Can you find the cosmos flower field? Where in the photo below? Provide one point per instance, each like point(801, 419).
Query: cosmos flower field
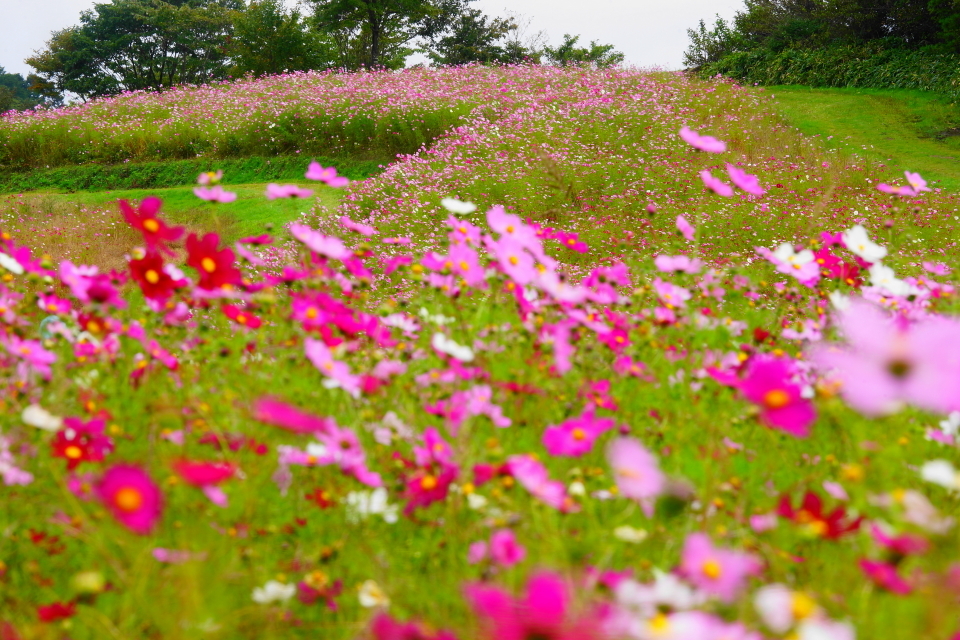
point(617, 355)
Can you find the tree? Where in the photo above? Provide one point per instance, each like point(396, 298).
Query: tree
point(383, 26)
point(567, 53)
point(472, 37)
point(267, 39)
point(126, 45)
point(16, 92)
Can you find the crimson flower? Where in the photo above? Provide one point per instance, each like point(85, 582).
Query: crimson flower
point(155, 231)
point(241, 317)
point(80, 441)
point(811, 516)
point(56, 611)
point(214, 266)
point(154, 281)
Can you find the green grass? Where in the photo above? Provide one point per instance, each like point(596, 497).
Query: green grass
point(905, 130)
point(174, 173)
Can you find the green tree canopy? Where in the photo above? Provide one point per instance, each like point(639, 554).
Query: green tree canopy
point(268, 39)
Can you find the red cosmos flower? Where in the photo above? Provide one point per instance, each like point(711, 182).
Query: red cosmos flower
point(214, 266)
point(56, 611)
point(321, 498)
point(155, 231)
point(80, 441)
point(155, 283)
point(241, 317)
point(810, 515)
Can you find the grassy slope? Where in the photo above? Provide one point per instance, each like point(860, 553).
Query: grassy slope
point(903, 129)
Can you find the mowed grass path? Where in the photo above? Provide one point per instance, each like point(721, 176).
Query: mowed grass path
point(905, 130)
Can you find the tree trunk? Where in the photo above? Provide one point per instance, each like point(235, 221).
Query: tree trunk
point(374, 39)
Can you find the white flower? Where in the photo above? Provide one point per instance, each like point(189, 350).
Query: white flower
point(786, 255)
point(780, 608)
point(951, 425)
point(576, 488)
point(438, 319)
point(371, 595)
point(942, 473)
point(37, 416)
point(883, 277)
point(456, 206)
point(274, 591)
point(823, 629)
point(667, 591)
point(857, 241)
point(10, 264)
point(630, 534)
point(445, 345)
point(476, 501)
point(839, 301)
point(362, 504)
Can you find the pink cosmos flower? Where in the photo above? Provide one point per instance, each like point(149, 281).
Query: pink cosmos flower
point(504, 548)
point(627, 366)
point(916, 182)
point(703, 143)
point(281, 414)
point(338, 372)
point(214, 194)
point(670, 294)
point(514, 260)
point(885, 576)
point(768, 384)
point(888, 361)
point(743, 180)
point(329, 246)
point(362, 229)
point(88, 285)
point(275, 191)
point(717, 571)
point(669, 264)
point(465, 262)
point(208, 178)
point(133, 498)
point(685, 228)
point(575, 436)
point(32, 355)
point(716, 185)
point(326, 175)
point(206, 476)
point(544, 612)
point(902, 545)
point(510, 226)
point(533, 476)
point(896, 191)
point(636, 472)
point(50, 303)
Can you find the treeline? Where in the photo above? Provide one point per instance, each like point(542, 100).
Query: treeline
point(869, 43)
point(129, 45)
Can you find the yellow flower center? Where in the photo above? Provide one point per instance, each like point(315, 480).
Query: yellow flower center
point(776, 399)
point(312, 313)
point(659, 624)
point(578, 434)
point(73, 452)
point(151, 225)
point(128, 499)
point(428, 482)
point(151, 276)
point(711, 569)
point(802, 606)
point(208, 265)
point(513, 260)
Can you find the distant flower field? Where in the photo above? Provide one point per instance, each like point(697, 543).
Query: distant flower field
point(616, 356)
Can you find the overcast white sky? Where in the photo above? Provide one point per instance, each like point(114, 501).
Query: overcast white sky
point(649, 32)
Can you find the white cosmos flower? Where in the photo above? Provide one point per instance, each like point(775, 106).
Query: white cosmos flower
point(787, 255)
point(274, 591)
point(857, 241)
point(457, 206)
point(371, 595)
point(363, 504)
point(10, 264)
point(839, 301)
point(942, 473)
point(445, 345)
point(37, 416)
point(626, 533)
point(951, 425)
point(884, 277)
point(438, 319)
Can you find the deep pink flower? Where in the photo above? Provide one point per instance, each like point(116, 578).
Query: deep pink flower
point(329, 246)
point(275, 191)
point(896, 191)
point(902, 545)
point(504, 548)
point(768, 384)
point(362, 229)
point(326, 175)
point(887, 361)
point(281, 414)
point(133, 498)
point(242, 317)
point(206, 476)
point(533, 476)
point(703, 143)
point(716, 185)
point(717, 571)
point(743, 180)
point(545, 612)
point(336, 371)
point(685, 228)
point(384, 627)
point(885, 576)
point(575, 437)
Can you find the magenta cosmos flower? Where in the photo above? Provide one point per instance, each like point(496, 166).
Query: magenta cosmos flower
point(716, 185)
point(768, 384)
point(326, 175)
point(703, 143)
point(214, 194)
point(533, 476)
point(719, 572)
point(743, 180)
point(275, 191)
point(888, 362)
point(133, 498)
point(575, 436)
point(338, 372)
point(544, 612)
